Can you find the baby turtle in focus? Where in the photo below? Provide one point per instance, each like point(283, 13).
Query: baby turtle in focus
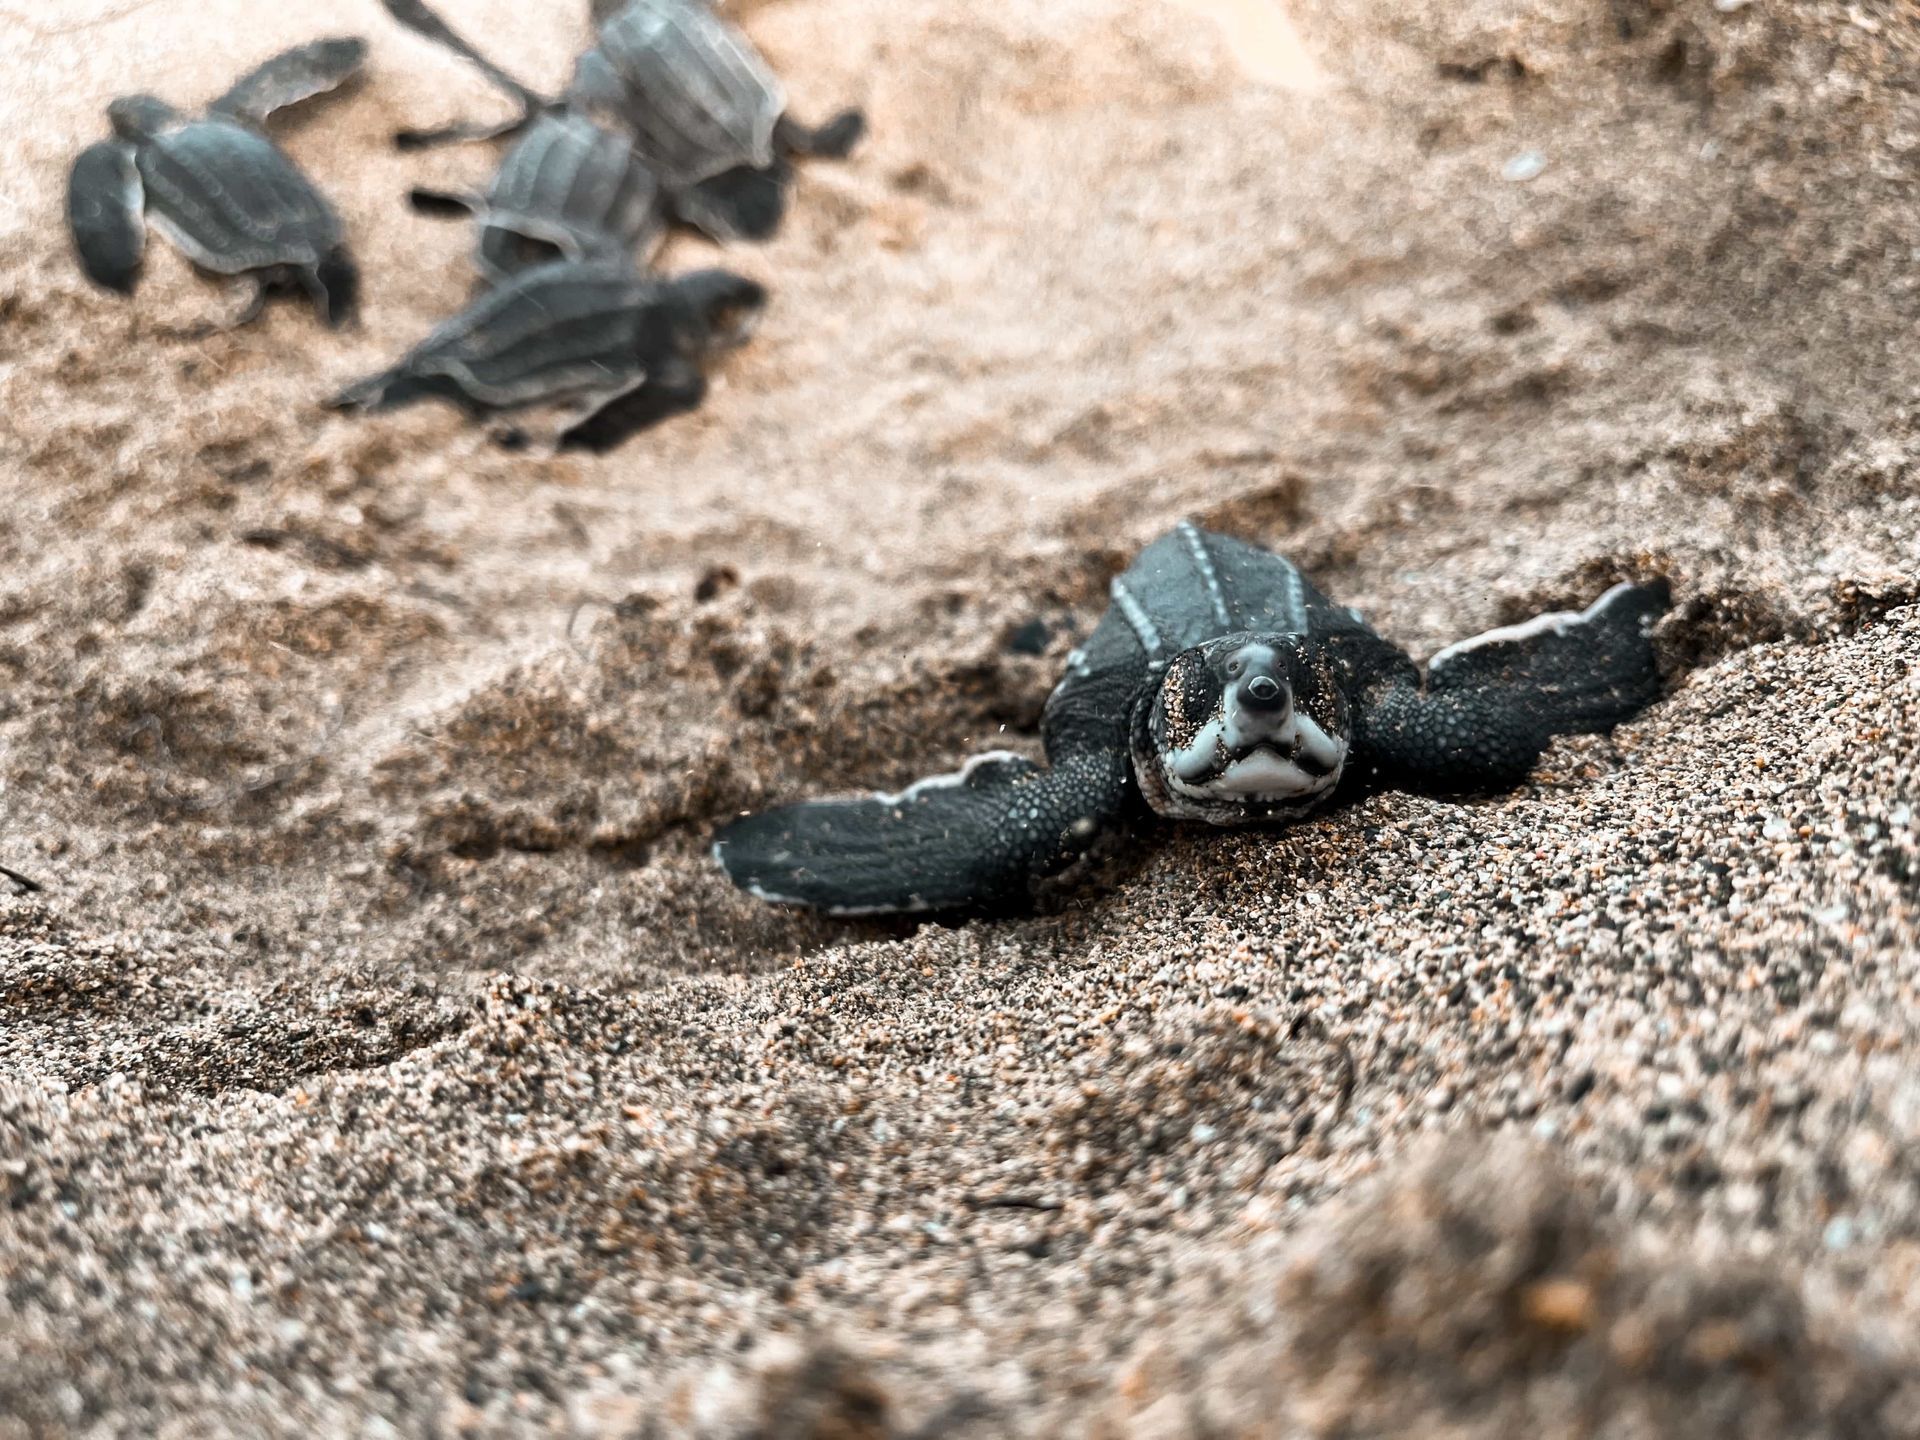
point(225, 194)
point(707, 115)
point(617, 351)
point(1220, 686)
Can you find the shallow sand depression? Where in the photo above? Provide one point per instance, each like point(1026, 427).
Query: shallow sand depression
point(384, 1055)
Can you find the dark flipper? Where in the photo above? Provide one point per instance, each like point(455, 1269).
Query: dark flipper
point(104, 204)
point(832, 141)
point(738, 204)
point(335, 286)
point(292, 76)
point(1492, 703)
point(675, 389)
point(417, 17)
point(445, 204)
point(976, 839)
point(390, 389)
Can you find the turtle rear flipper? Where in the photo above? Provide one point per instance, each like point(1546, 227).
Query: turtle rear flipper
point(292, 76)
point(975, 839)
point(104, 203)
point(1492, 703)
point(832, 141)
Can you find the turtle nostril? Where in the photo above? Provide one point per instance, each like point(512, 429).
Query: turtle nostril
point(1263, 692)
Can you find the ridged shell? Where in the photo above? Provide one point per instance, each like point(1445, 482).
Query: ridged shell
point(575, 185)
point(697, 95)
point(563, 329)
point(232, 200)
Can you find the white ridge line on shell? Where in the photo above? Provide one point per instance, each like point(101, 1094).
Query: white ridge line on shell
point(1137, 617)
point(1295, 617)
point(1209, 575)
point(1556, 622)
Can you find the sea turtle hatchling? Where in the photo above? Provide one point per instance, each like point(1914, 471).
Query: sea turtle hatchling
point(707, 114)
point(225, 194)
point(568, 187)
point(616, 351)
point(1220, 686)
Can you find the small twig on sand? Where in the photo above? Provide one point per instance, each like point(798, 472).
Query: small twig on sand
point(27, 887)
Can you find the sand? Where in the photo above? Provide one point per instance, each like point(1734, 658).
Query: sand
point(382, 1055)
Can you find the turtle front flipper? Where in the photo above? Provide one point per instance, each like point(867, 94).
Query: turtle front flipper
point(972, 840)
point(316, 68)
point(675, 388)
point(1492, 703)
point(104, 203)
point(417, 17)
point(744, 203)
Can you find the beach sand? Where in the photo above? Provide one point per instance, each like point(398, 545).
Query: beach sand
point(383, 1055)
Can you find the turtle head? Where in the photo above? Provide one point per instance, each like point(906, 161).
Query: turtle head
point(717, 309)
point(1244, 728)
point(140, 117)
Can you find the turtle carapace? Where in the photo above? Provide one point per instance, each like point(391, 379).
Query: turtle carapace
point(219, 188)
point(1220, 686)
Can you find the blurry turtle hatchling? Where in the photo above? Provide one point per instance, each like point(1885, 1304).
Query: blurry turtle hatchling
point(612, 350)
point(568, 188)
point(707, 115)
point(219, 188)
point(1220, 686)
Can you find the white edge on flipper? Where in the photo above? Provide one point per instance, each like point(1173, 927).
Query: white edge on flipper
point(948, 781)
point(1557, 622)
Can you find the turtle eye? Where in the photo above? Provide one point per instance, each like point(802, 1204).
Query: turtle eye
point(1234, 667)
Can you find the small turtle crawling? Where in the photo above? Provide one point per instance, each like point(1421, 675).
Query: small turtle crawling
point(619, 351)
point(1219, 686)
point(707, 115)
point(216, 186)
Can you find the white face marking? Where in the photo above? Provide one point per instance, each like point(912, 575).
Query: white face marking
point(1557, 622)
point(1265, 774)
point(1262, 776)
